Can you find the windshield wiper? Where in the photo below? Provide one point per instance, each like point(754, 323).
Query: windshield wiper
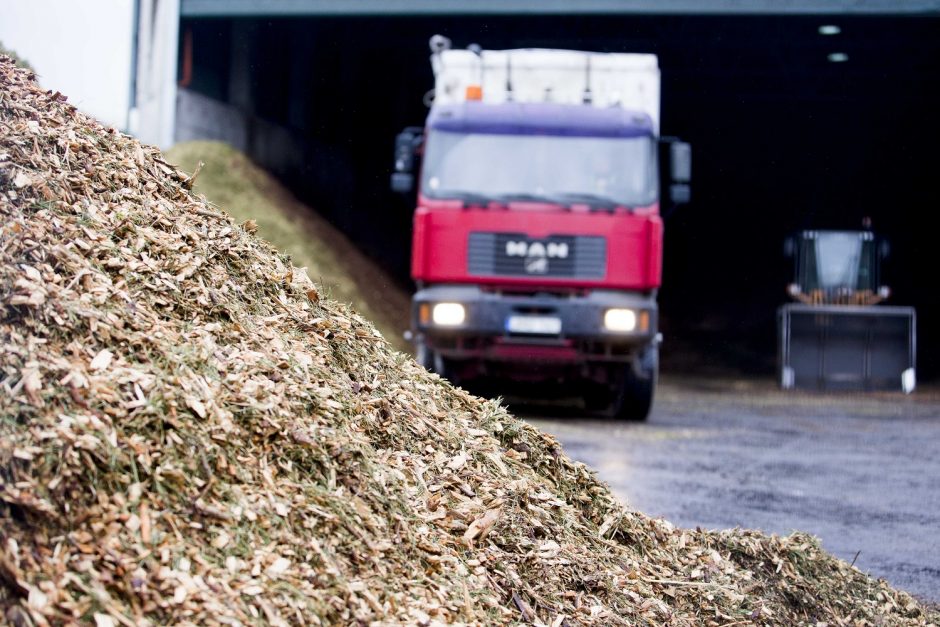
point(524, 197)
point(469, 199)
point(474, 199)
point(595, 201)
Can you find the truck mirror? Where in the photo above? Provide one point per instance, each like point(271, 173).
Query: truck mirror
point(407, 144)
point(789, 247)
point(680, 161)
point(402, 182)
point(680, 193)
point(404, 151)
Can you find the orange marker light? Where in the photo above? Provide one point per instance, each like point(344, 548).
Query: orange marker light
point(424, 313)
point(474, 92)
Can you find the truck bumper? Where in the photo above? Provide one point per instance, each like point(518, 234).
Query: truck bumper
point(538, 328)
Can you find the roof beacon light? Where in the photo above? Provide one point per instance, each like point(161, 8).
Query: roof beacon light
point(474, 92)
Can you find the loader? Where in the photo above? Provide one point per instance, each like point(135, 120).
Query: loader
point(837, 334)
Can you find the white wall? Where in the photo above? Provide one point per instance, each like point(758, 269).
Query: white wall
point(81, 48)
point(153, 119)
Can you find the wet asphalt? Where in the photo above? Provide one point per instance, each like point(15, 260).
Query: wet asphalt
point(861, 472)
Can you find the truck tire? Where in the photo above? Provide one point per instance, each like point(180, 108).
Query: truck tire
point(435, 362)
point(444, 367)
point(424, 355)
point(633, 397)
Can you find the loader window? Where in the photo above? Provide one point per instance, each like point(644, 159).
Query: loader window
point(551, 167)
point(839, 261)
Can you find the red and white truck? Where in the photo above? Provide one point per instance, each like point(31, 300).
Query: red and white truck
point(537, 243)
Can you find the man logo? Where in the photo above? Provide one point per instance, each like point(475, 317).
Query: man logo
point(551, 250)
point(516, 249)
point(537, 254)
point(536, 265)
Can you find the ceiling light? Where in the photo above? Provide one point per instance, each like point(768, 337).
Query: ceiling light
point(829, 29)
point(838, 57)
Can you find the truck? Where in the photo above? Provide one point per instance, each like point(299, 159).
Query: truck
point(537, 239)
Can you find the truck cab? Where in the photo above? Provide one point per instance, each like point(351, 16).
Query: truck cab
point(537, 241)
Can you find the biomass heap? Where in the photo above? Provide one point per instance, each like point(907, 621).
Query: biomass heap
point(189, 434)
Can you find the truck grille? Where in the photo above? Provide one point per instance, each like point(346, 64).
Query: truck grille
point(516, 254)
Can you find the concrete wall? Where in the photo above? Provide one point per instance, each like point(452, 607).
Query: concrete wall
point(274, 147)
point(201, 117)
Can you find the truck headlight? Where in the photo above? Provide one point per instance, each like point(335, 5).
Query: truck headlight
point(620, 320)
point(448, 314)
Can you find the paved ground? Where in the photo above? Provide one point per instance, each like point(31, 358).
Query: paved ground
point(860, 472)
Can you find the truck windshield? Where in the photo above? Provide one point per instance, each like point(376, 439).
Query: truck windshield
point(599, 171)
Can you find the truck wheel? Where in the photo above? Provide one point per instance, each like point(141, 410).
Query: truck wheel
point(424, 355)
point(633, 398)
point(442, 367)
point(433, 360)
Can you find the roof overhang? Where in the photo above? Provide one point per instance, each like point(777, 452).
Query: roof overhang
point(300, 8)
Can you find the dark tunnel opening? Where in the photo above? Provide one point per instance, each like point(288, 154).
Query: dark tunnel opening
point(783, 139)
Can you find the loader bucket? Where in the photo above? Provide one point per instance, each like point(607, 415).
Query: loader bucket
point(838, 347)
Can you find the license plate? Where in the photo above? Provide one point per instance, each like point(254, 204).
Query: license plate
point(541, 325)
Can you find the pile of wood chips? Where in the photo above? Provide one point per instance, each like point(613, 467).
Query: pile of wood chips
point(189, 434)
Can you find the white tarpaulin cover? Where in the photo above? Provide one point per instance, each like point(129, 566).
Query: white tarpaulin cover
point(626, 80)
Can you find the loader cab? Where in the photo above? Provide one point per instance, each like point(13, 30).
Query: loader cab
point(837, 267)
